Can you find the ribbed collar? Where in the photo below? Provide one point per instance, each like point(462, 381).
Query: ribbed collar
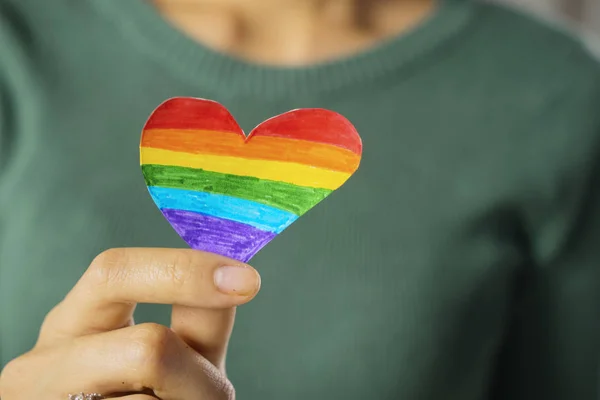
point(142, 24)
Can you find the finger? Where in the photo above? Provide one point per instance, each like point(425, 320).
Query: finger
point(106, 295)
point(142, 359)
point(206, 331)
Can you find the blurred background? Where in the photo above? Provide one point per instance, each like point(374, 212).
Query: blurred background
point(586, 13)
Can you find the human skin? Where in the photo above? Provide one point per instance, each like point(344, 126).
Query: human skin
point(293, 32)
point(89, 341)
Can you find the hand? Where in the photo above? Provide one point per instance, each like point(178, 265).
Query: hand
point(89, 342)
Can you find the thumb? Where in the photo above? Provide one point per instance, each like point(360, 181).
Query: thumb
point(208, 330)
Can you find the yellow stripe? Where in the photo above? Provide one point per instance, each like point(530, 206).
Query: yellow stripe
point(296, 174)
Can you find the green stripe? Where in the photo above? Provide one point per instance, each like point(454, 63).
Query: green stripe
point(292, 198)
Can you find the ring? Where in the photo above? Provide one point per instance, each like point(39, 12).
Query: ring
point(83, 396)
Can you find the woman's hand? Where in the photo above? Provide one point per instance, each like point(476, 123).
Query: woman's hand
point(89, 343)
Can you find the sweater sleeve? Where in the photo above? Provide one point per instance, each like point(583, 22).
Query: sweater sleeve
point(4, 139)
point(10, 71)
point(18, 90)
point(14, 69)
point(552, 350)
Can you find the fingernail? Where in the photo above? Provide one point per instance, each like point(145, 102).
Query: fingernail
point(239, 279)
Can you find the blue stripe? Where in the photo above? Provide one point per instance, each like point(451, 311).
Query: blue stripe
point(260, 216)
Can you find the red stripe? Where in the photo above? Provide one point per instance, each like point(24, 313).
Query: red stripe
point(314, 125)
point(191, 113)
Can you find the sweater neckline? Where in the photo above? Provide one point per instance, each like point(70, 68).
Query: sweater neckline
point(140, 22)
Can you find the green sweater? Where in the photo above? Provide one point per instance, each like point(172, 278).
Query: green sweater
point(461, 262)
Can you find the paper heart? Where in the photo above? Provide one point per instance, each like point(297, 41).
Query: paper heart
point(230, 194)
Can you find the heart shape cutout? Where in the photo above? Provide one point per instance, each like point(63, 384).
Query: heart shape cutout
point(230, 194)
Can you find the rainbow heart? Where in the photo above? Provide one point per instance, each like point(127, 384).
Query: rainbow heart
point(230, 194)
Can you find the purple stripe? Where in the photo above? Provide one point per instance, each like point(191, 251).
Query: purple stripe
point(221, 236)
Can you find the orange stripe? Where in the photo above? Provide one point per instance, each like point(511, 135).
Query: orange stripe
point(258, 147)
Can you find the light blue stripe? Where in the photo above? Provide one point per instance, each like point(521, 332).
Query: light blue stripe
point(260, 216)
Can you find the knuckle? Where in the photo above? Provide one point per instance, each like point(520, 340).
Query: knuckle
point(49, 323)
point(110, 257)
point(179, 268)
point(104, 269)
point(152, 348)
point(152, 339)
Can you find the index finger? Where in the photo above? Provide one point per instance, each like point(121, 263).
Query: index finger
point(105, 297)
